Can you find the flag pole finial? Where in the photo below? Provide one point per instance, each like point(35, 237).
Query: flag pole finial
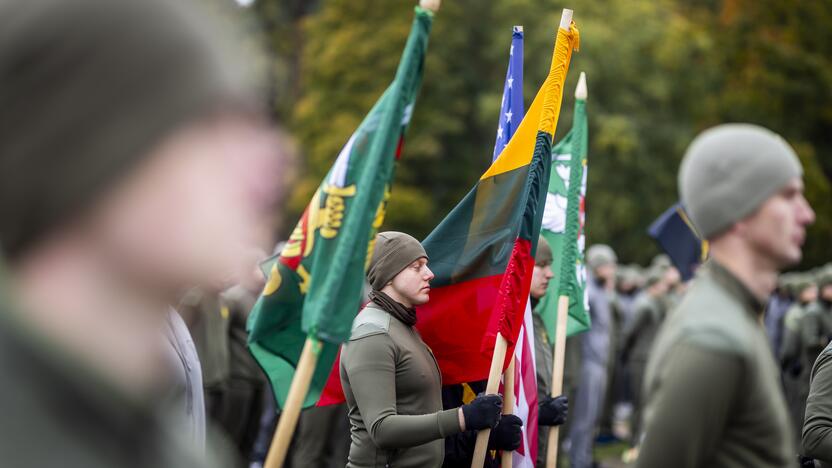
point(580, 90)
point(566, 19)
point(432, 5)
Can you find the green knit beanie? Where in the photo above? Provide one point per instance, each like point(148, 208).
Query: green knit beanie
point(393, 252)
point(88, 88)
point(729, 171)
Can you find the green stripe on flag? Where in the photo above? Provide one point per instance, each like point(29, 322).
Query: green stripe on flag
point(563, 228)
point(315, 286)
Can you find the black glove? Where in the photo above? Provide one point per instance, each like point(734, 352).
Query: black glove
point(483, 412)
point(805, 462)
point(553, 411)
point(508, 433)
point(794, 368)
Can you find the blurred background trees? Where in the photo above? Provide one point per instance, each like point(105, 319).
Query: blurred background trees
point(659, 71)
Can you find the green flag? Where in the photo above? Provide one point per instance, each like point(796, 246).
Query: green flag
point(563, 228)
point(315, 285)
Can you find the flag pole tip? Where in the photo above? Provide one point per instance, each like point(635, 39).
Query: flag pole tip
point(580, 90)
point(432, 5)
point(566, 19)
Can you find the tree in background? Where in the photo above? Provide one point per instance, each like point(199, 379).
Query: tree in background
point(659, 72)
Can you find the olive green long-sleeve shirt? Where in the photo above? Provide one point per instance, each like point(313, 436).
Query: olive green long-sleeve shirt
point(817, 425)
point(712, 385)
point(393, 389)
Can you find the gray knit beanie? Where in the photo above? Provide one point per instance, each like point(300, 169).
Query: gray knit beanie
point(729, 170)
point(599, 255)
point(393, 252)
point(89, 87)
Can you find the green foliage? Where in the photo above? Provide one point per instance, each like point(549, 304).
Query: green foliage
point(659, 71)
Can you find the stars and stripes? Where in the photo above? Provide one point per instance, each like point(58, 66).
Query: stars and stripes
point(511, 108)
point(525, 387)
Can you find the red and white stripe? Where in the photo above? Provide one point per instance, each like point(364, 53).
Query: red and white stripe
point(525, 391)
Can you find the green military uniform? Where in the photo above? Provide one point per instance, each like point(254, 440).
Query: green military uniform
point(817, 424)
point(805, 335)
point(543, 360)
point(241, 405)
point(322, 438)
point(393, 389)
point(638, 338)
point(56, 412)
point(209, 325)
point(712, 386)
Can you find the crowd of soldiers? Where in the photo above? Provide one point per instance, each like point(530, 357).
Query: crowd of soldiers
point(798, 322)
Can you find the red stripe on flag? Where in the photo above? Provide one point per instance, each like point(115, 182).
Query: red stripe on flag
point(453, 324)
point(511, 302)
point(529, 377)
point(333, 393)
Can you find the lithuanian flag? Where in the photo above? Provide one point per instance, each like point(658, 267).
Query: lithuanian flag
point(482, 253)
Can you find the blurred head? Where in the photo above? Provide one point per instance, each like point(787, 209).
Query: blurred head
point(744, 182)
point(399, 268)
point(136, 139)
point(542, 272)
point(671, 277)
point(807, 293)
point(825, 284)
point(655, 281)
point(134, 161)
point(602, 261)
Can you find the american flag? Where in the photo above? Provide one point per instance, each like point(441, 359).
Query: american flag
point(525, 380)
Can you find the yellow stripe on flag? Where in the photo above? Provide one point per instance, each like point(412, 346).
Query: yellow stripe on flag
point(543, 114)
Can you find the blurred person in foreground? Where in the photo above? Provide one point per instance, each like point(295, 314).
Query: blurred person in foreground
point(712, 387)
point(133, 162)
point(817, 424)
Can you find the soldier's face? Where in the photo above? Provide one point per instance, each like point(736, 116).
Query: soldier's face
point(777, 230)
point(540, 279)
point(184, 217)
point(808, 294)
point(826, 293)
point(412, 285)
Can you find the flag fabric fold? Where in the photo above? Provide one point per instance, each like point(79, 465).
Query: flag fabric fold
point(675, 234)
point(482, 253)
point(525, 373)
point(314, 286)
point(564, 227)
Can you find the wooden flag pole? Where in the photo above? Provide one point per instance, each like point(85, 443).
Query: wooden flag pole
point(494, 373)
point(557, 376)
point(294, 402)
point(509, 399)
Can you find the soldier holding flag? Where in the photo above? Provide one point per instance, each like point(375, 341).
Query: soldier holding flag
point(390, 378)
